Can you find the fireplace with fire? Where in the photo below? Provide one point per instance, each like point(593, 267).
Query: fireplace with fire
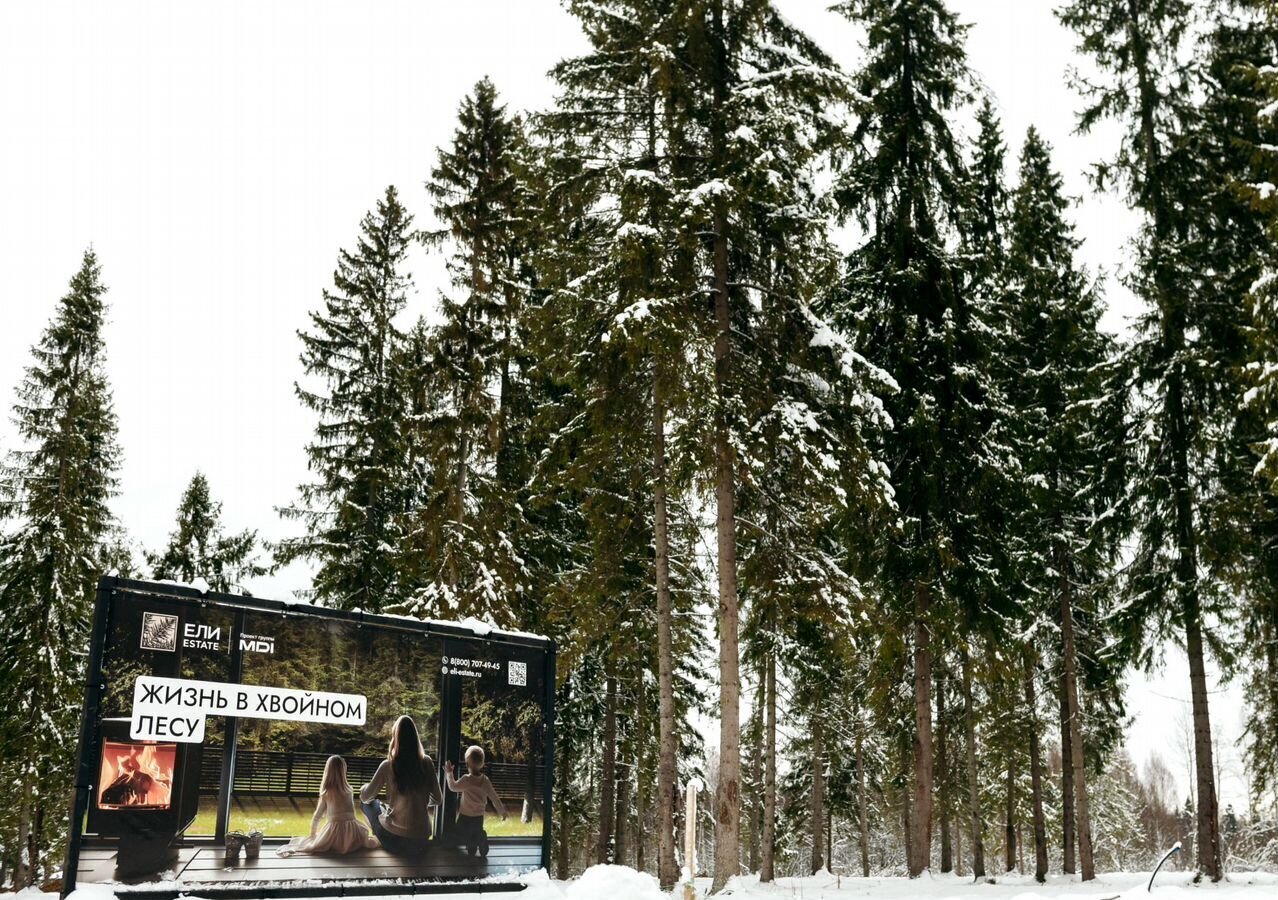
point(146, 794)
point(136, 775)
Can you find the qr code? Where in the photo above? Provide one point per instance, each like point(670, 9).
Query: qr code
point(159, 632)
point(517, 673)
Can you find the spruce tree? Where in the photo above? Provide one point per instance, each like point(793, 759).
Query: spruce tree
point(475, 374)
point(1186, 346)
point(1069, 432)
point(685, 157)
point(353, 511)
point(907, 292)
point(985, 213)
point(199, 548)
point(620, 302)
point(756, 103)
point(982, 237)
point(53, 497)
point(1247, 78)
point(1262, 370)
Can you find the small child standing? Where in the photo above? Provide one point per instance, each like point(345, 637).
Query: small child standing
point(476, 790)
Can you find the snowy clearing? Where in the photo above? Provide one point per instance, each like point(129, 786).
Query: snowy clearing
point(624, 883)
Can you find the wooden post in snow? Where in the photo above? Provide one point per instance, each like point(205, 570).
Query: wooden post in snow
point(690, 840)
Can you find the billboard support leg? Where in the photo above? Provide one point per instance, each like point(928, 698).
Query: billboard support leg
point(226, 782)
point(548, 757)
point(84, 774)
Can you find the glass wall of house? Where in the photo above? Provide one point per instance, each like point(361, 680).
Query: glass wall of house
point(503, 693)
point(279, 764)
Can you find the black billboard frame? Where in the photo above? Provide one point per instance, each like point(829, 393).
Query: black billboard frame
point(90, 737)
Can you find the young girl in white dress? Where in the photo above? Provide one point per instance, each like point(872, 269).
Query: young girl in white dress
point(342, 833)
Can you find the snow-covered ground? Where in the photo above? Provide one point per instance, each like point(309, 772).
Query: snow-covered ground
point(1127, 885)
point(622, 883)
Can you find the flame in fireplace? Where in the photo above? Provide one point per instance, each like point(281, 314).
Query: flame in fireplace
point(136, 775)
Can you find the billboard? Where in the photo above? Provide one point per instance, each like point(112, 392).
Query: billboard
point(230, 740)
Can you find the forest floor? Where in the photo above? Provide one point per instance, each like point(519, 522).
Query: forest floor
point(623, 883)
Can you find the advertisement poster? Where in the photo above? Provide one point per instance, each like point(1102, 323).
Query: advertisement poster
point(232, 739)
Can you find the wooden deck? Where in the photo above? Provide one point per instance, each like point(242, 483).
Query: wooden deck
point(206, 866)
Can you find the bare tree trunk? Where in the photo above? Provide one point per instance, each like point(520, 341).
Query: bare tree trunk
point(36, 844)
point(816, 804)
point(921, 814)
point(562, 826)
point(947, 846)
point(1208, 843)
point(608, 768)
point(757, 764)
point(641, 775)
point(1036, 773)
point(829, 837)
point(907, 831)
point(767, 865)
point(641, 812)
point(973, 782)
point(1009, 833)
point(620, 832)
point(728, 794)
point(667, 869)
point(1082, 809)
point(459, 506)
point(25, 864)
point(1067, 787)
point(943, 779)
point(862, 809)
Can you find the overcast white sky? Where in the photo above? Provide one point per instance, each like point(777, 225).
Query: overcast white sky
point(218, 155)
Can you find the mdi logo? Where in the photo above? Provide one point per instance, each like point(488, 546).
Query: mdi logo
point(257, 643)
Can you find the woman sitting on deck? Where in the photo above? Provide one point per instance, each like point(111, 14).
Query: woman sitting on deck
point(403, 823)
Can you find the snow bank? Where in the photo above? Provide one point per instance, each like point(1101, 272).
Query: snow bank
point(614, 883)
point(624, 883)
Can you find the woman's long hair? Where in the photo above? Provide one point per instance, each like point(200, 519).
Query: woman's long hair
point(335, 777)
point(408, 758)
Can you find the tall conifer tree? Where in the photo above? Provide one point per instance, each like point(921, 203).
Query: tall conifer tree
point(757, 101)
point(353, 510)
point(1241, 123)
point(1069, 408)
point(199, 548)
point(53, 498)
point(906, 284)
point(1186, 345)
point(982, 236)
point(621, 304)
point(475, 372)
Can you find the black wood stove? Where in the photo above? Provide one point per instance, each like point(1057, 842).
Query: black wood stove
point(146, 794)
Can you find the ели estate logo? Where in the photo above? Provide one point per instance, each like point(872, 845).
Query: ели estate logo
point(160, 632)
